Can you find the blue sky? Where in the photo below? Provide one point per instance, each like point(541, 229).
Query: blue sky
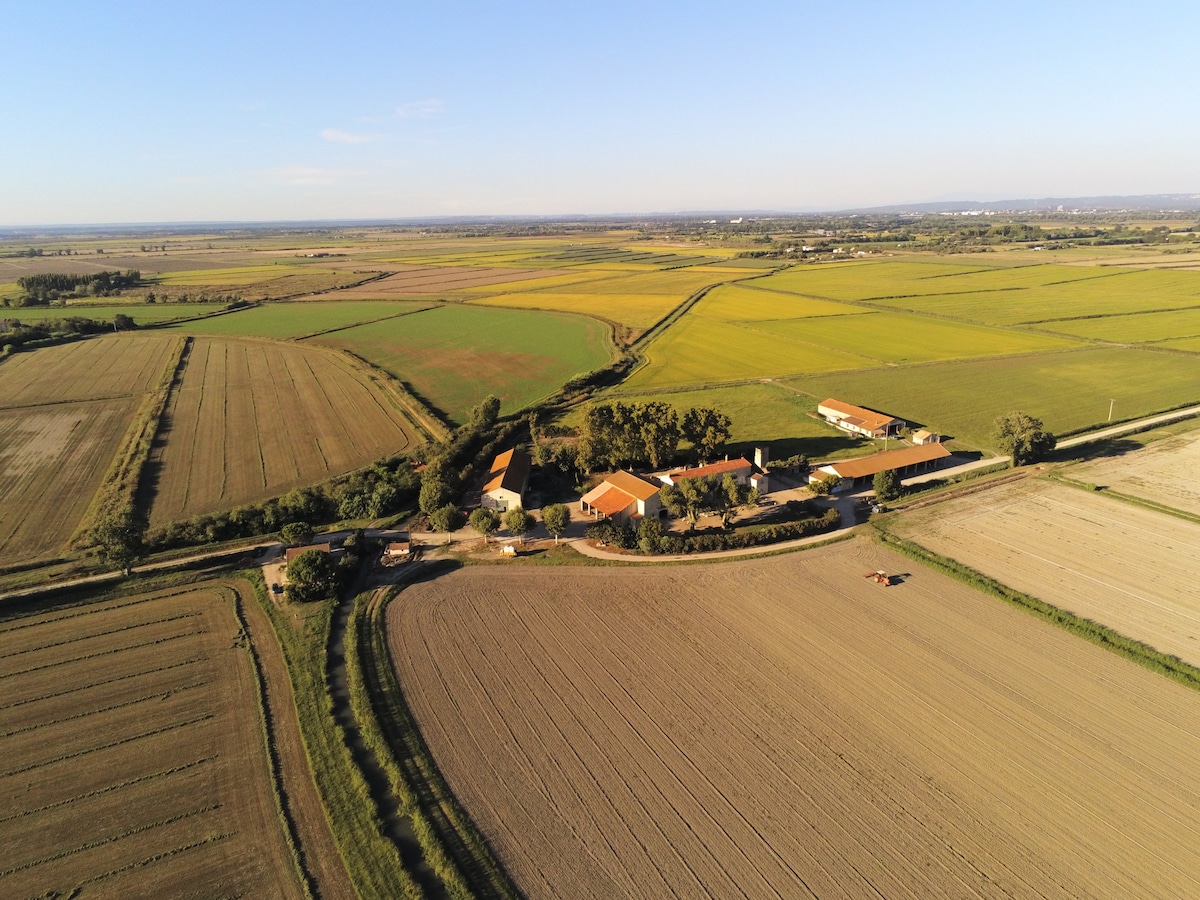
point(142, 112)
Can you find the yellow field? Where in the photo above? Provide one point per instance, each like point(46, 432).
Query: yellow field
point(748, 303)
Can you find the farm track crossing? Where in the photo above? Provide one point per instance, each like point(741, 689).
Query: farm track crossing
point(788, 728)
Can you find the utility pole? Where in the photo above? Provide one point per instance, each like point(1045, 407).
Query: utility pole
point(1110, 409)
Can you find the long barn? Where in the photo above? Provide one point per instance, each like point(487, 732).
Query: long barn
point(906, 461)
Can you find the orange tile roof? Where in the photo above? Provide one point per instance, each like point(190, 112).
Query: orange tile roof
point(867, 419)
point(632, 484)
point(510, 471)
point(292, 552)
point(889, 459)
point(609, 500)
point(717, 468)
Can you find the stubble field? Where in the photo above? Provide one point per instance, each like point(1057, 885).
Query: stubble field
point(785, 727)
point(1130, 568)
point(134, 761)
point(63, 413)
point(1164, 472)
point(253, 419)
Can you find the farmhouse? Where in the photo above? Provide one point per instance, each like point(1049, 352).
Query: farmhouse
point(855, 419)
point(742, 469)
point(908, 461)
point(621, 496)
point(397, 551)
point(507, 480)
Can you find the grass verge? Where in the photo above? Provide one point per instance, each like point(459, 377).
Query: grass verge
point(371, 860)
point(453, 847)
point(1135, 651)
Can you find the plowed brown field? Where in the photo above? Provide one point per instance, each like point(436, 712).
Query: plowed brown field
point(253, 419)
point(1166, 472)
point(63, 413)
point(1130, 568)
point(785, 727)
point(132, 757)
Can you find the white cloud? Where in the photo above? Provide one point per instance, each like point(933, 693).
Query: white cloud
point(336, 136)
point(419, 109)
point(308, 175)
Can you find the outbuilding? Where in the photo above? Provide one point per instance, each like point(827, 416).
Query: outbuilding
point(622, 496)
point(507, 481)
point(858, 420)
point(859, 472)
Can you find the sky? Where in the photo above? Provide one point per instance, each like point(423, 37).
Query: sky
point(129, 111)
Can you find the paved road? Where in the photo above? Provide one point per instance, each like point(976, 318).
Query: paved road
point(1127, 427)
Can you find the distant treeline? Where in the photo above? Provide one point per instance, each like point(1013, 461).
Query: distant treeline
point(42, 289)
point(15, 333)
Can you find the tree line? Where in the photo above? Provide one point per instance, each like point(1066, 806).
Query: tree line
point(45, 288)
point(14, 333)
point(617, 434)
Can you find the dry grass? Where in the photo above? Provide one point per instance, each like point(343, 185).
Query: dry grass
point(133, 754)
point(785, 727)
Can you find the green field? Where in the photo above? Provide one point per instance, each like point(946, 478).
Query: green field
point(298, 319)
point(750, 302)
point(454, 355)
point(867, 280)
point(1068, 390)
point(1136, 328)
point(760, 413)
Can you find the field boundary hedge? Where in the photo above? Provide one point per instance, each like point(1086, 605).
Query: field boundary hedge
point(453, 846)
point(1131, 649)
point(123, 480)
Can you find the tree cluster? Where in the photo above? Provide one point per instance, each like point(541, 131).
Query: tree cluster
point(16, 333)
point(42, 289)
point(449, 466)
point(1023, 437)
point(690, 498)
point(630, 434)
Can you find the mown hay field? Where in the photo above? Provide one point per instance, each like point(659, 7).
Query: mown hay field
point(1165, 471)
point(1068, 390)
point(785, 727)
point(253, 419)
point(256, 282)
point(454, 356)
point(291, 320)
point(1125, 566)
point(64, 412)
point(134, 759)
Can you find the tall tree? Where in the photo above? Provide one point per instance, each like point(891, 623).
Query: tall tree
point(658, 429)
point(120, 537)
point(446, 518)
point(485, 521)
point(312, 576)
point(1022, 437)
point(556, 518)
point(689, 498)
point(887, 484)
point(707, 430)
point(518, 522)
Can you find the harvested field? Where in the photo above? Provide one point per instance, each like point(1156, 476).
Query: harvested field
point(298, 319)
point(422, 281)
point(784, 727)
point(1166, 472)
point(52, 460)
point(98, 368)
point(63, 413)
point(134, 760)
point(253, 419)
point(1129, 568)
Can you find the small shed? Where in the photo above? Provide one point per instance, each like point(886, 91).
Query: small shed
point(924, 436)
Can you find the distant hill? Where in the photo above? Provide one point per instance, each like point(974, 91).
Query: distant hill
point(1136, 202)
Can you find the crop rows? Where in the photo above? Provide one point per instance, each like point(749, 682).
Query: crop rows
point(789, 728)
point(124, 762)
point(254, 419)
